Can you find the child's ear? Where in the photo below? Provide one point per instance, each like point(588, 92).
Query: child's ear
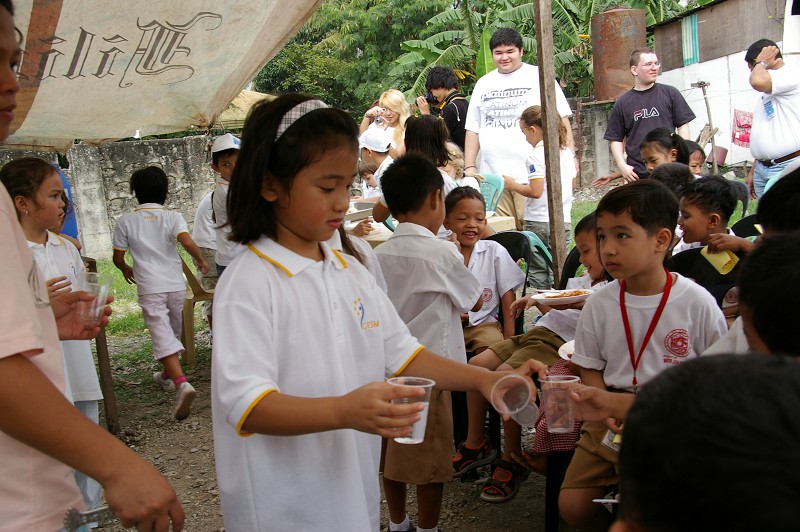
point(215, 167)
point(436, 197)
point(446, 223)
point(673, 155)
point(714, 220)
point(269, 189)
point(663, 239)
point(21, 203)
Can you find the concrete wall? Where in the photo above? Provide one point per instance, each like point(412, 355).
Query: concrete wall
point(99, 178)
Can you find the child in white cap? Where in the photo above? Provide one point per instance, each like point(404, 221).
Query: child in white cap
point(224, 153)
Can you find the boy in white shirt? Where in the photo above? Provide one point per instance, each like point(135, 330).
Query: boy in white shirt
point(373, 146)
point(150, 233)
point(204, 234)
point(224, 153)
point(430, 287)
point(632, 329)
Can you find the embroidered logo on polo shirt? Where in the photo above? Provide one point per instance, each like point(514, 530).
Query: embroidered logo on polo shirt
point(360, 311)
point(486, 295)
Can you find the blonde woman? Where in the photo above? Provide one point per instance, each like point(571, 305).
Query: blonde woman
point(390, 114)
point(455, 168)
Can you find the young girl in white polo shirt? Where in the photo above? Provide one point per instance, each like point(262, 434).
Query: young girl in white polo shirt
point(36, 188)
point(150, 233)
point(303, 336)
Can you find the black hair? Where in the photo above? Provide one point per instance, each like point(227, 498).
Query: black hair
point(649, 203)
point(8, 5)
point(262, 156)
point(441, 77)
point(505, 37)
point(67, 203)
point(769, 285)
point(428, 135)
point(215, 156)
point(666, 140)
point(24, 176)
point(755, 49)
point(348, 247)
point(710, 194)
point(779, 207)
point(587, 224)
point(692, 146)
point(460, 193)
point(150, 185)
point(408, 182)
point(672, 175)
point(711, 439)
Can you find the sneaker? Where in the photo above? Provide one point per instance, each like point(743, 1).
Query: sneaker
point(183, 401)
point(166, 384)
point(466, 459)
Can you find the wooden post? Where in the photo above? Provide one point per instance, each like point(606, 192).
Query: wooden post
point(104, 364)
point(550, 121)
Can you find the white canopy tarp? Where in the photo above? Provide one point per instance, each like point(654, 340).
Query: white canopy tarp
point(100, 71)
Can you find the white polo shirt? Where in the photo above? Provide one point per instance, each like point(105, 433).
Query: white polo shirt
point(150, 233)
point(536, 208)
point(57, 258)
point(497, 272)
point(429, 286)
point(227, 250)
point(204, 232)
point(311, 329)
point(367, 253)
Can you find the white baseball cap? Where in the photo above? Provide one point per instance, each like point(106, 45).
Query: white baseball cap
point(226, 142)
point(375, 139)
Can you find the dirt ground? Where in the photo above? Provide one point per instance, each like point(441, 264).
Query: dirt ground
point(183, 451)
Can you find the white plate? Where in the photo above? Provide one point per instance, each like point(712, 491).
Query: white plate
point(566, 351)
point(549, 297)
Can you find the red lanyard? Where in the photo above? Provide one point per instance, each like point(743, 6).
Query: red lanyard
point(636, 359)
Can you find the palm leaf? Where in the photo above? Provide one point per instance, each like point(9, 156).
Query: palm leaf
point(484, 63)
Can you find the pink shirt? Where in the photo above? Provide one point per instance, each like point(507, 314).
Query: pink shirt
point(36, 489)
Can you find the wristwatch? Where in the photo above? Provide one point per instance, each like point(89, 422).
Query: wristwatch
point(764, 63)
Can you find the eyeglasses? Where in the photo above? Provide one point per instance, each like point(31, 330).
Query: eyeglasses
point(650, 65)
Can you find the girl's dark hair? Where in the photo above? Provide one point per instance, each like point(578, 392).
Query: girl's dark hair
point(8, 5)
point(692, 146)
point(460, 193)
point(666, 140)
point(672, 175)
point(348, 247)
point(427, 135)
point(150, 184)
point(305, 141)
point(24, 176)
point(67, 203)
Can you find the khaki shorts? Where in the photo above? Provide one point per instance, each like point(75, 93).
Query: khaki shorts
point(427, 462)
point(593, 465)
point(482, 336)
point(512, 204)
point(540, 343)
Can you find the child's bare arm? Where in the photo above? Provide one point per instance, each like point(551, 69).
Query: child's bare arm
point(593, 377)
point(119, 262)
point(367, 409)
point(508, 315)
point(190, 246)
point(722, 241)
point(478, 304)
point(518, 306)
point(37, 414)
point(534, 188)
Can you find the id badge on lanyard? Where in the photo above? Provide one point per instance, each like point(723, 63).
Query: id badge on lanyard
point(769, 108)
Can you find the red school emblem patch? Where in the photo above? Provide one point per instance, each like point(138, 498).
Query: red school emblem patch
point(677, 342)
point(486, 295)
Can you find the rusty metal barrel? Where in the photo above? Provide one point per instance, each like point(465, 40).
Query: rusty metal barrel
point(616, 32)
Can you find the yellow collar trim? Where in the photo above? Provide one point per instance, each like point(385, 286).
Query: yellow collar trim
point(252, 248)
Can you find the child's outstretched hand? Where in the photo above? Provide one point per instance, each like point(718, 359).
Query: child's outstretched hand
point(57, 286)
point(127, 273)
point(594, 404)
point(369, 409)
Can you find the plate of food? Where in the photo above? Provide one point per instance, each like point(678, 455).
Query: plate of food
point(561, 297)
point(566, 350)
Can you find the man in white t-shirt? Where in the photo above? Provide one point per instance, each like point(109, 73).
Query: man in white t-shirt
point(492, 125)
point(775, 136)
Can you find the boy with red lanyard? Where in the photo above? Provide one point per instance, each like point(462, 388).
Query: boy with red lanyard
point(644, 322)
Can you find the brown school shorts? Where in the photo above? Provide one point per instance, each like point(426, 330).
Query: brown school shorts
point(429, 461)
point(593, 465)
point(482, 336)
point(540, 343)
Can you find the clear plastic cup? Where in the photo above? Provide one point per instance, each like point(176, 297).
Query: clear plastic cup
point(97, 284)
point(513, 396)
point(558, 403)
point(418, 429)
